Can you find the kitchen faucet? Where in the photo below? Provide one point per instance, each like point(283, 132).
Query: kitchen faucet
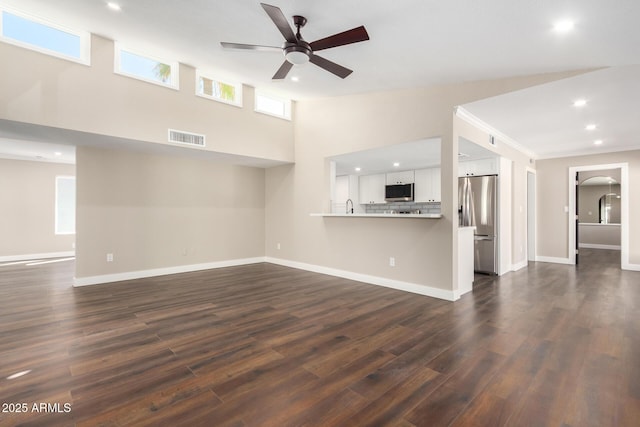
point(347, 206)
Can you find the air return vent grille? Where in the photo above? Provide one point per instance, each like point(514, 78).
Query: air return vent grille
point(188, 138)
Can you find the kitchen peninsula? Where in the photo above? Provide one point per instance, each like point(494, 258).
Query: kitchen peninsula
point(379, 215)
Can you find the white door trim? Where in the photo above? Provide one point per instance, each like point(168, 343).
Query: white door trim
point(624, 214)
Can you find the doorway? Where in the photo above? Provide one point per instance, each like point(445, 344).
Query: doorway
point(581, 174)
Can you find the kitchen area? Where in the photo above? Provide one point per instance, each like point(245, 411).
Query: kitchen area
point(401, 180)
point(404, 181)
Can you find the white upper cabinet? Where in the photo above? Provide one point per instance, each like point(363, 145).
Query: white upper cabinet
point(478, 167)
point(404, 177)
point(427, 185)
point(372, 189)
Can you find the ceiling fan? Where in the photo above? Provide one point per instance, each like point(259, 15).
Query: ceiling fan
point(297, 51)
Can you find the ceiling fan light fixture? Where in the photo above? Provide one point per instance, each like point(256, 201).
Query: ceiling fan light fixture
point(297, 54)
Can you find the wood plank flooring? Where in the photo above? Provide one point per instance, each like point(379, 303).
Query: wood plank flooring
point(264, 345)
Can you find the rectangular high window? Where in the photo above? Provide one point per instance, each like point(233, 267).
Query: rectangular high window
point(145, 67)
point(229, 93)
point(35, 34)
point(273, 106)
point(65, 209)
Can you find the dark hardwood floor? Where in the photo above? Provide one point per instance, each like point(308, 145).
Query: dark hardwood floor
point(264, 345)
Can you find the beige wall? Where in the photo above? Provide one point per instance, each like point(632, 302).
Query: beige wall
point(425, 250)
point(45, 90)
point(589, 202)
point(553, 196)
point(154, 211)
point(599, 234)
point(27, 208)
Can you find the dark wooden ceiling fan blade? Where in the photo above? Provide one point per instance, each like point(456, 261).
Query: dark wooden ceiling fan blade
point(353, 35)
point(281, 22)
point(331, 67)
point(282, 71)
point(228, 45)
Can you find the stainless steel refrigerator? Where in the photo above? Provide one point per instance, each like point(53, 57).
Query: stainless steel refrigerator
point(477, 207)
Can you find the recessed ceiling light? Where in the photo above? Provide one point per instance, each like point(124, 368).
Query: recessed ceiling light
point(295, 79)
point(57, 153)
point(358, 169)
point(563, 26)
point(396, 164)
point(580, 103)
point(590, 127)
point(597, 142)
point(114, 6)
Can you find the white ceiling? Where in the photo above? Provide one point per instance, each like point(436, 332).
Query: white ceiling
point(409, 156)
point(413, 43)
point(24, 141)
point(37, 151)
point(544, 120)
point(421, 154)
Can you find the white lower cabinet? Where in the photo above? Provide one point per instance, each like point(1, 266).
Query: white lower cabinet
point(427, 185)
point(371, 189)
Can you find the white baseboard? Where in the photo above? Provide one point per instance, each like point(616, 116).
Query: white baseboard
point(598, 246)
point(520, 265)
point(131, 275)
point(631, 267)
point(28, 257)
point(552, 259)
point(373, 280)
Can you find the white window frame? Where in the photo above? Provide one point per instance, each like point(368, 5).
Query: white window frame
point(238, 89)
point(85, 38)
point(57, 232)
point(287, 105)
point(174, 83)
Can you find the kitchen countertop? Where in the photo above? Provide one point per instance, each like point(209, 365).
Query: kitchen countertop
point(364, 215)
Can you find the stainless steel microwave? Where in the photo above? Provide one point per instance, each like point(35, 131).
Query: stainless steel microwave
point(398, 193)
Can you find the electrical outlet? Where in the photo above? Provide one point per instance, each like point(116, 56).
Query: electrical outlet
point(278, 246)
point(109, 257)
point(392, 262)
point(184, 251)
point(73, 245)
